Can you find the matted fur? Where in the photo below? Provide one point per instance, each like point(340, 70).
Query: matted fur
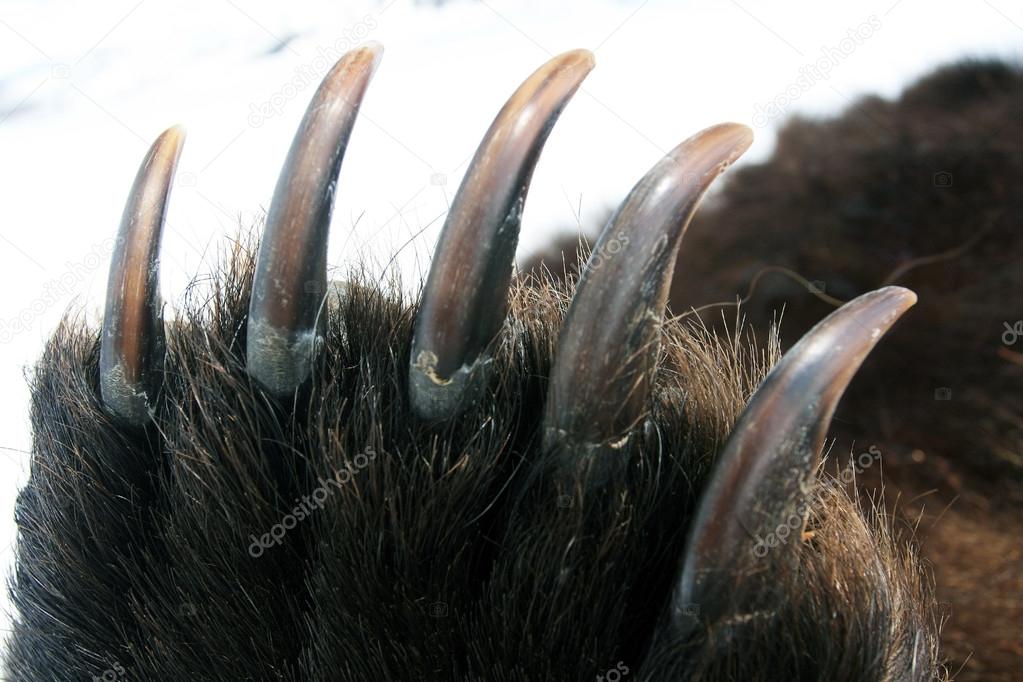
point(445, 554)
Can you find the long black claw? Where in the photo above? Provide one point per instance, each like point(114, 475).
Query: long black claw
point(600, 381)
point(466, 295)
point(766, 470)
point(131, 345)
point(284, 328)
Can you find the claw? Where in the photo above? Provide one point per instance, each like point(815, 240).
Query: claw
point(132, 338)
point(466, 295)
point(284, 332)
point(600, 381)
point(767, 467)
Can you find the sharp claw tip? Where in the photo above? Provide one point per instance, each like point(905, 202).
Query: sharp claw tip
point(580, 57)
point(175, 134)
point(736, 136)
point(892, 302)
point(374, 49)
point(572, 66)
point(717, 147)
point(903, 298)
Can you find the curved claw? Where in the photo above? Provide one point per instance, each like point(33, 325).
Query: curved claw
point(599, 385)
point(290, 280)
point(131, 344)
point(465, 299)
point(768, 465)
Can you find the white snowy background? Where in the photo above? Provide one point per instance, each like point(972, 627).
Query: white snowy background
point(86, 87)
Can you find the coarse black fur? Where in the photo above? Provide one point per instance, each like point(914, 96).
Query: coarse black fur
point(444, 553)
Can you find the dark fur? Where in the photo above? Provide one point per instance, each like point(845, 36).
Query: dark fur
point(448, 556)
point(848, 201)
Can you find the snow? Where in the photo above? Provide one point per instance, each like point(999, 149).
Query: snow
point(84, 89)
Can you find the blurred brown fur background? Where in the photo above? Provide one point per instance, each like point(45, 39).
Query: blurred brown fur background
point(922, 191)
